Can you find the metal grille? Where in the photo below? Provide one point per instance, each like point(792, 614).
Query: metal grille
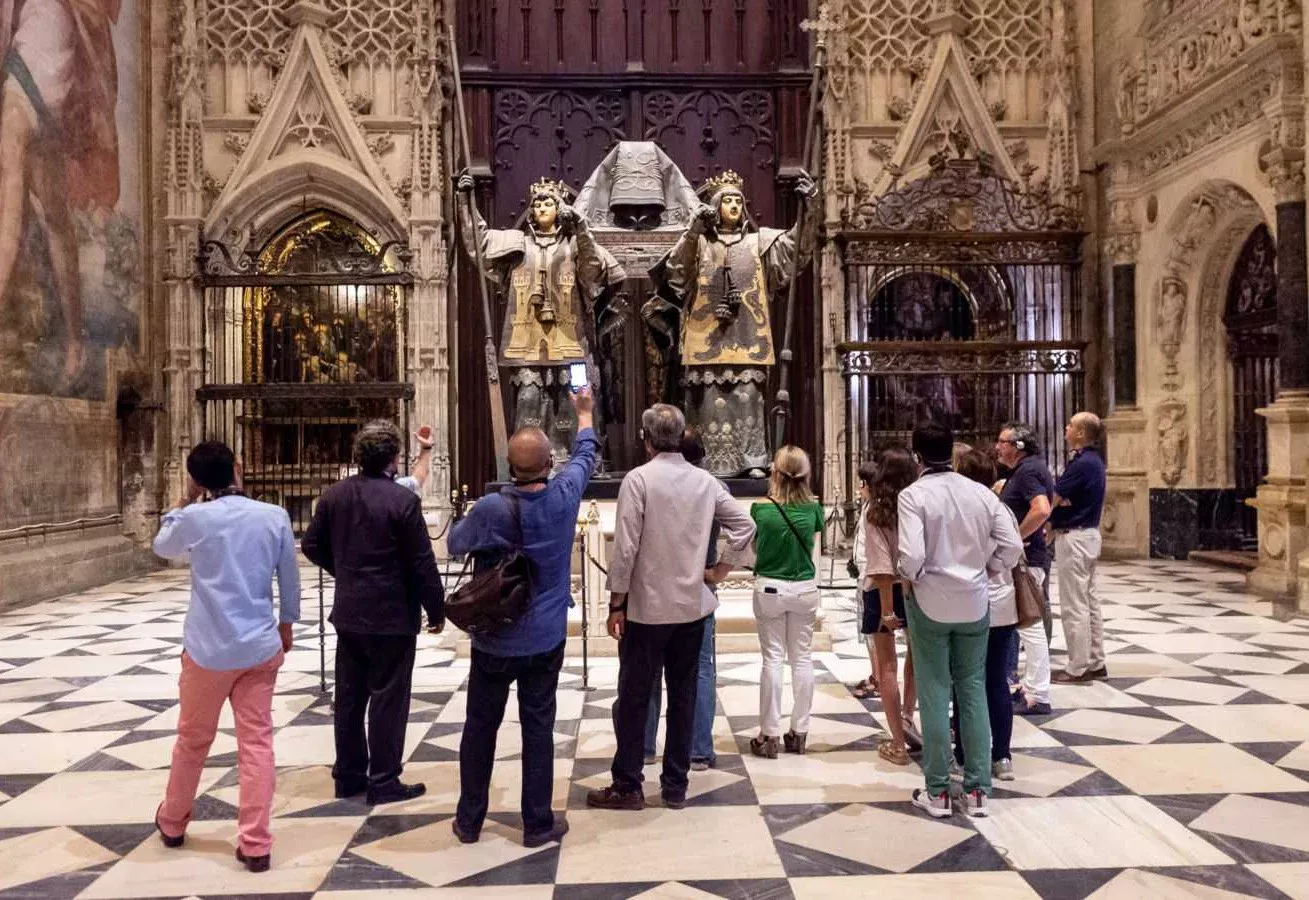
point(305, 341)
point(1252, 347)
point(963, 306)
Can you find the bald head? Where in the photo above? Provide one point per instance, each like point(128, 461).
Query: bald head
point(1085, 430)
point(529, 454)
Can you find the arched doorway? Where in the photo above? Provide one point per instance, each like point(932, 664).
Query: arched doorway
point(1251, 319)
point(306, 340)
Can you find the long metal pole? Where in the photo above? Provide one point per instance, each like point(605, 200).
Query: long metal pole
point(782, 407)
point(499, 434)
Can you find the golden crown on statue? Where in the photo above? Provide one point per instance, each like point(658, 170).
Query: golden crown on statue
point(725, 179)
point(549, 187)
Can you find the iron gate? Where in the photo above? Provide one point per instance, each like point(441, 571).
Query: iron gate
point(963, 306)
point(304, 341)
point(1251, 318)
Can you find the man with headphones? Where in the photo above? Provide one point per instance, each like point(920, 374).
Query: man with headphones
point(1028, 492)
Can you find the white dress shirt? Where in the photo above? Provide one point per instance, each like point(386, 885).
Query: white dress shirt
point(666, 511)
point(953, 532)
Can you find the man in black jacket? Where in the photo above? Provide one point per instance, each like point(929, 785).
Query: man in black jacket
point(369, 533)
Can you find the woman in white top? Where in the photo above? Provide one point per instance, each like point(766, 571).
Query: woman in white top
point(884, 609)
point(859, 570)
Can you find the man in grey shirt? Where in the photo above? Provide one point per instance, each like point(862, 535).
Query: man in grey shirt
point(658, 601)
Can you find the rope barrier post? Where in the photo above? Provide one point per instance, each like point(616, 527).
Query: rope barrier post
point(586, 602)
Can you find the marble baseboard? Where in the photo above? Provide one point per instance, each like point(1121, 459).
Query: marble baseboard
point(1186, 519)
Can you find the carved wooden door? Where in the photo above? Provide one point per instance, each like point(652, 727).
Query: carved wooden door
point(551, 85)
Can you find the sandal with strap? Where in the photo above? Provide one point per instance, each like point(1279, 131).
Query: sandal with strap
point(893, 753)
point(765, 747)
point(865, 689)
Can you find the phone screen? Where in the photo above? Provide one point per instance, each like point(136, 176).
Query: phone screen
point(577, 376)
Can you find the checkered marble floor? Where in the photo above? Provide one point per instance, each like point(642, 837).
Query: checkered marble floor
point(1184, 775)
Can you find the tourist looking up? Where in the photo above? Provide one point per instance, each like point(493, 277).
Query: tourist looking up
point(232, 642)
point(537, 516)
point(1079, 502)
point(368, 533)
point(884, 594)
point(952, 532)
point(786, 599)
point(658, 602)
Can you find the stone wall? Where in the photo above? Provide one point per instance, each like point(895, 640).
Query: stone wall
point(73, 285)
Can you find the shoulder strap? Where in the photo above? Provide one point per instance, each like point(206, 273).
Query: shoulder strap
point(798, 538)
point(516, 513)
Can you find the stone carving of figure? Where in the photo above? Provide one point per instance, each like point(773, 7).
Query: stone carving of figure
point(554, 274)
point(721, 275)
point(1171, 428)
point(1171, 318)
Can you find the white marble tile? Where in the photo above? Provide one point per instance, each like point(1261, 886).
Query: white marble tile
point(1189, 769)
point(1092, 695)
point(296, 790)
point(1296, 641)
point(1134, 884)
point(1151, 665)
point(285, 708)
point(837, 777)
point(89, 716)
point(491, 892)
point(33, 648)
point(1183, 689)
point(935, 886)
point(433, 855)
point(1113, 726)
point(743, 700)
point(730, 842)
point(1092, 832)
point(76, 666)
point(304, 851)
point(10, 711)
point(127, 647)
point(1238, 625)
point(36, 754)
point(1188, 643)
point(1286, 688)
point(1244, 723)
point(45, 854)
point(442, 780)
point(903, 841)
point(93, 798)
point(127, 687)
point(157, 753)
point(1041, 777)
point(568, 706)
point(1291, 879)
point(1258, 819)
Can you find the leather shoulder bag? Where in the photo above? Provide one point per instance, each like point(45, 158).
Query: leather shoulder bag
point(498, 595)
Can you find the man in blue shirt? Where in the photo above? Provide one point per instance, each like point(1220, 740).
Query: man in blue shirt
point(232, 642)
point(531, 650)
point(1079, 501)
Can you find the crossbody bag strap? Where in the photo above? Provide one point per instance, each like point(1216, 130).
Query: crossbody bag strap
point(795, 531)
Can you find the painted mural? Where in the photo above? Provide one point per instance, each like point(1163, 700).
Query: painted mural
point(70, 198)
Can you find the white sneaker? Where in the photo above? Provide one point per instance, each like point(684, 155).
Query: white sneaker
point(975, 805)
point(1002, 770)
point(936, 807)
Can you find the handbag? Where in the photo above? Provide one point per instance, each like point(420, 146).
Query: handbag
point(1028, 596)
point(798, 539)
point(498, 595)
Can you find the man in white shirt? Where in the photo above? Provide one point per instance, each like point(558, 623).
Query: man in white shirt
point(659, 600)
point(952, 531)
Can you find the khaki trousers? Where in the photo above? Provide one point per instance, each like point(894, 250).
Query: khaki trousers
point(1077, 552)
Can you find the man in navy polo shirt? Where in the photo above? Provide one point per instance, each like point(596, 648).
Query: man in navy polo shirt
point(1079, 501)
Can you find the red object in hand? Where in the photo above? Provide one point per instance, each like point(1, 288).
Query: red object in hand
point(425, 432)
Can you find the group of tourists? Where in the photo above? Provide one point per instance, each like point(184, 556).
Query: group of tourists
point(936, 551)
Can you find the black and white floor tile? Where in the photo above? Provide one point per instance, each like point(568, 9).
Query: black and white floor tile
point(1186, 774)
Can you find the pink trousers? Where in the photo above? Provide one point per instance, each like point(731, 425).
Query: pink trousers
point(203, 692)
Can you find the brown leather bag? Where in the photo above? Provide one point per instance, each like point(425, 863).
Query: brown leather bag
point(497, 596)
point(1028, 596)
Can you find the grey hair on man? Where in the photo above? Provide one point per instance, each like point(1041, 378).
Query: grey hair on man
point(1024, 437)
point(663, 425)
point(377, 446)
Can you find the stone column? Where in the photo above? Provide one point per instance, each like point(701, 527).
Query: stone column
point(1126, 522)
point(1283, 536)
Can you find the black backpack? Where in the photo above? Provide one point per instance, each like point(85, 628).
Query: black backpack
point(498, 595)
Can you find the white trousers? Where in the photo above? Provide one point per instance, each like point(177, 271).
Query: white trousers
point(1036, 655)
point(784, 615)
point(1079, 605)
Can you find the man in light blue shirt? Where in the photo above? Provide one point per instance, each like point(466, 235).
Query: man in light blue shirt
point(232, 642)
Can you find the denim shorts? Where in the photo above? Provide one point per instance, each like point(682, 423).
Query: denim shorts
point(872, 618)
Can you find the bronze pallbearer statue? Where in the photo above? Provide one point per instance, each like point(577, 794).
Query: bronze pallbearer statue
point(558, 282)
point(718, 280)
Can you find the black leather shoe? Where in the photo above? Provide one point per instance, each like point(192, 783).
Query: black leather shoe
point(254, 863)
point(541, 838)
point(674, 801)
point(345, 790)
point(614, 797)
point(465, 835)
point(1098, 674)
point(395, 792)
point(169, 840)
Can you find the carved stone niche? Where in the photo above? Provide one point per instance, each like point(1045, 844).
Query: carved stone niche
point(1126, 521)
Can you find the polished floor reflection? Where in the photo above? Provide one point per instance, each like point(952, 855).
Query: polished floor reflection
point(1186, 774)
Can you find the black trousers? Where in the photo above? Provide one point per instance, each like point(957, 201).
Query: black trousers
point(999, 705)
point(642, 651)
point(488, 692)
point(374, 674)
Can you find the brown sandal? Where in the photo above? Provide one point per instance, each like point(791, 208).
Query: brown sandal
point(765, 747)
point(892, 753)
point(865, 689)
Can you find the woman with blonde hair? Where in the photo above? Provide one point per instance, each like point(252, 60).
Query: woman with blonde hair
point(786, 599)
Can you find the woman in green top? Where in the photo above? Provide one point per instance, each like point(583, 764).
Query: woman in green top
point(786, 599)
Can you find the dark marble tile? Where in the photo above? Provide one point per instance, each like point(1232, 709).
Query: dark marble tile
point(1237, 879)
point(615, 891)
point(58, 887)
point(805, 862)
point(1069, 884)
point(120, 839)
point(539, 868)
point(1252, 852)
point(1186, 808)
point(746, 888)
point(781, 819)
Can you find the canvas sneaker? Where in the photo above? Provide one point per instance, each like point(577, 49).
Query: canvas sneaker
point(937, 807)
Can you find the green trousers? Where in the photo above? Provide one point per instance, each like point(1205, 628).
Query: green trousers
point(946, 656)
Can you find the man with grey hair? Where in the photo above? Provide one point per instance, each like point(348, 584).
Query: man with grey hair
point(368, 533)
point(1078, 503)
point(660, 599)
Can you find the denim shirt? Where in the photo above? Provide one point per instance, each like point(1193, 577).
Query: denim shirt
point(549, 522)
